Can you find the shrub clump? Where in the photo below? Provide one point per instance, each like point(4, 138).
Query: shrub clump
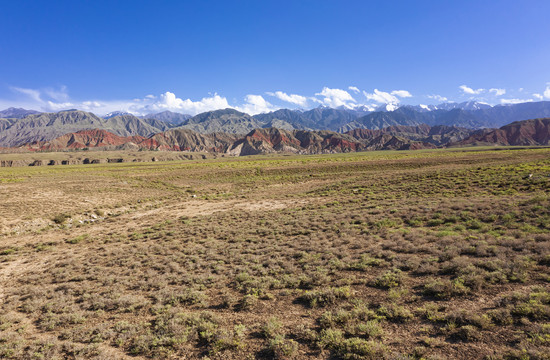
point(445, 289)
point(329, 296)
point(390, 279)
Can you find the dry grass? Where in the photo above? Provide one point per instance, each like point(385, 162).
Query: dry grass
point(385, 255)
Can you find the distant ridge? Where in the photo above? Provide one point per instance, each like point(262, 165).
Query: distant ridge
point(169, 117)
point(17, 113)
point(469, 115)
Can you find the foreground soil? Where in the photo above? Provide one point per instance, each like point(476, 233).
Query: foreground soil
point(379, 255)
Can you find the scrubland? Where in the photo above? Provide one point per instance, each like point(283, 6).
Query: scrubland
point(377, 255)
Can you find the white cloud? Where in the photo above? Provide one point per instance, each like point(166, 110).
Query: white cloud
point(470, 91)
point(315, 100)
point(169, 101)
point(58, 95)
point(354, 89)
point(401, 93)
point(90, 105)
point(437, 97)
point(498, 92)
point(538, 96)
point(51, 99)
point(32, 93)
point(255, 104)
point(514, 101)
point(336, 98)
point(381, 97)
point(546, 92)
point(387, 97)
point(53, 106)
point(291, 98)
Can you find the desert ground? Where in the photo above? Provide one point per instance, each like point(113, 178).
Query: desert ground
point(432, 254)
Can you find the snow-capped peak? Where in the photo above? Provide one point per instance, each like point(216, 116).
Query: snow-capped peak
point(115, 113)
point(387, 107)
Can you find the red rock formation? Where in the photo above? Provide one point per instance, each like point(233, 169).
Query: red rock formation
point(519, 133)
point(85, 139)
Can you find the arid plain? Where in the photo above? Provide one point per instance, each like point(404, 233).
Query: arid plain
point(431, 254)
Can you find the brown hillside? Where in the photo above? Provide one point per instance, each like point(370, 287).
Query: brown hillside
point(85, 139)
point(189, 140)
point(521, 133)
point(258, 141)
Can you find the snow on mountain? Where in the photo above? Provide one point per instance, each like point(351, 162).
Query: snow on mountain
point(387, 107)
point(467, 105)
point(116, 113)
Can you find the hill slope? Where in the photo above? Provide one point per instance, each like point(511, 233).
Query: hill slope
point(85, 139)
point(520, 133)
point(258, 141)
point(48, 126)
point(437, 135)
point(188, 140)
point(272, 140)
point(227, 120)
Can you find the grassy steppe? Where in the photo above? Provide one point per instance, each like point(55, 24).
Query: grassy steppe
point(381, 255)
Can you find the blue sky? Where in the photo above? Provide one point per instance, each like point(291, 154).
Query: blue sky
point(193, 56)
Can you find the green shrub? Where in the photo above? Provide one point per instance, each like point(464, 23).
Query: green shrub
point(77, 239)
point(60, 218)
point(389, 279)
point(360, 349)
point(327, 296)
point(445, 289)
point(395, 313)
point(272, 328)
point(282, 348)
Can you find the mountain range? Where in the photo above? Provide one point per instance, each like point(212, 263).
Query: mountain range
point(257, 141)
point(273, 140)
point(48, 126)
point(450, 122)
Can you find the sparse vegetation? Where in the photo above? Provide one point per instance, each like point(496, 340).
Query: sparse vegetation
point(382, 255)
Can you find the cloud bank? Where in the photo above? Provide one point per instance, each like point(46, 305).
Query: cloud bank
point(57, 98)
point(336, 98)
point(290, 98)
